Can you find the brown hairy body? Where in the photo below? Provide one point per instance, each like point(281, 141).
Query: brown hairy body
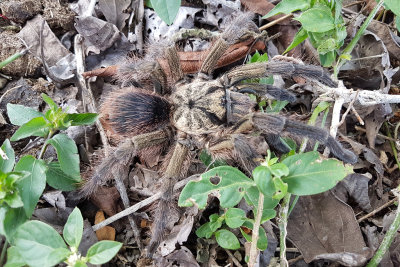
point(181, 114)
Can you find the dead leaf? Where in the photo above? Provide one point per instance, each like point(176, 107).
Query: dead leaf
point(99, 35)
point(179, 233)
point(105, 233)
point(354, 186)
point(113, 11)
point(321, 226)
point(106, 199)
point(182, 258)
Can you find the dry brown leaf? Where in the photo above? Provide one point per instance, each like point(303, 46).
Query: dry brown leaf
point(105, 233)
point(322, 227)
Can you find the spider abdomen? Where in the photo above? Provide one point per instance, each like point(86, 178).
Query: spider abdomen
point(199, 107)
point(132, 111)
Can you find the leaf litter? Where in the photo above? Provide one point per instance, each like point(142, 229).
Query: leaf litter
point(322, 227)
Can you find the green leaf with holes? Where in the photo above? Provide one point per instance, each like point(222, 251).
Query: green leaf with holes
point(166, 9)
point(310, 174)
point(227, 183)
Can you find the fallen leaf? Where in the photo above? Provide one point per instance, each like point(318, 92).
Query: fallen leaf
point(105, 233)
point(321, 226)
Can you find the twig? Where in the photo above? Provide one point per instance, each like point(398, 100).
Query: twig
point(348, 110)
point(232, 257)
point(90, 8)
point(141, 204)
point(375, 211)
point(337, 107)
point(86, 93)
point(3, 154)
point(255, 235)
point(272, 23)
point(360, 120)
point(119, 184)
point(389, 236)
point(358, 128)
point(282, 222)
point(300, 257)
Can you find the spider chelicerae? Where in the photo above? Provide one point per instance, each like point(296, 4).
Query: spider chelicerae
point(179, 115)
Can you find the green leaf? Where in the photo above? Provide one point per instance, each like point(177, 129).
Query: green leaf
point(14, 258)
point(209, 162)
point(227, 182)
point(39, 243)
point(81, 118)
point(263, 179)
point(397, 21)
point(227, 239)
point(262, 241)
point(235, 217)
point(49, 102)
point(34, 127)
point(279, 170)
point(300, 36)
point(328, 59)
point(73, 229)
point(270, 203)
point(288, 6)
point(394, 6)
point(11, 219)
point(310, 174)
point(58, 179)
point(103, 251)
point(317, 19)
point(67, 154)
point(80, 263)
point(166, 9)
point(32, 186)
point(205, 231)
point(6, 165)
point(215, 222)
point(20, 114)
point(281, 188)
point(326, 46)
point(14, 200)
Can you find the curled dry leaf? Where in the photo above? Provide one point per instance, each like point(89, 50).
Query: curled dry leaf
point(105, 233)
point(354, 186)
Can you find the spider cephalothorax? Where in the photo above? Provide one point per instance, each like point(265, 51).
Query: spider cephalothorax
point(212, 114)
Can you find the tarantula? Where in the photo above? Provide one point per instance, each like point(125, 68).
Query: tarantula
point(189, 114)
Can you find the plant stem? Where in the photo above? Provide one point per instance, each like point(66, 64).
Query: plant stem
point(390, 234)
point(45, 145)
point(3, 251)
point(392, 143)
point(256, 227)
point(349, 48)
point(282, 219)
point(12, 58)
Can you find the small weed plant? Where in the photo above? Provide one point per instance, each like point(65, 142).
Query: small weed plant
point(22, 183)
point(271, 183)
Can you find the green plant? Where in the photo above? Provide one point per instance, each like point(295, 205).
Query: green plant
point(321, 22)
point(273, 181)
point(22, 183)
point(38, 244)
point(165, 9)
